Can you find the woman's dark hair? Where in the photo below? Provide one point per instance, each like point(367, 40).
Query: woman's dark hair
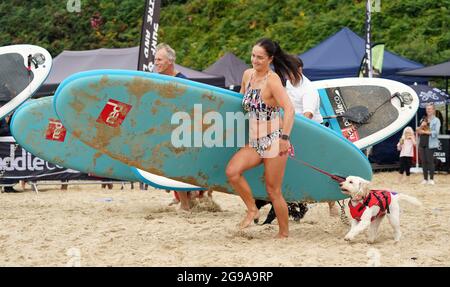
point(286, 66)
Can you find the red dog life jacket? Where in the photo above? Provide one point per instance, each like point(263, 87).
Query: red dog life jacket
point(382, 198)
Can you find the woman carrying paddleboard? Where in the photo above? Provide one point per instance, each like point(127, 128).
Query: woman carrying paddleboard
point(264, 96)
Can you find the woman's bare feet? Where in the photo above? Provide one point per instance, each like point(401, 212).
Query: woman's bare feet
point(174, 202)
point(281, 236)
point(185, 207)
point(249, 218)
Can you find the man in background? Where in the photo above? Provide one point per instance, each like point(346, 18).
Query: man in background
point(165, 64)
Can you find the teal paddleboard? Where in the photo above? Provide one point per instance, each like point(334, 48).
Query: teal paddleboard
point(36, 127)
point(135, 117)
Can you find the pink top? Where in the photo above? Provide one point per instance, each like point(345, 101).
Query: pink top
point(407, 148)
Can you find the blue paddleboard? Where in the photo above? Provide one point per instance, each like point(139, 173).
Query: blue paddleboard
point(134, 117)
point(36, 127)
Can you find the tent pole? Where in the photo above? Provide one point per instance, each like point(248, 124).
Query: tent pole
point(416, 169)
point(417, 148)
point(446, 106)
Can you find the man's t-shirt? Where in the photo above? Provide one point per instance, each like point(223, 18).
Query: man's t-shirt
point(305, 98)
point(180, 75)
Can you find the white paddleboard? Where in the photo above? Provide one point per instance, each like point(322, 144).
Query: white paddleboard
point(23, 69)
point(392, 106)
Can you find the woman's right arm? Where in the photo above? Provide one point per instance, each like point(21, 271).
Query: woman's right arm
point(245, 78)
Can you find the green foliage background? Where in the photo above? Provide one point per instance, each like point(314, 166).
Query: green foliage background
point(203, 30)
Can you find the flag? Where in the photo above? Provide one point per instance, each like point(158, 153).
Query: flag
point(377, 52)
point(149, 35)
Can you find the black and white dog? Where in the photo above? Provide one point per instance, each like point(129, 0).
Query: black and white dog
point(297, 210)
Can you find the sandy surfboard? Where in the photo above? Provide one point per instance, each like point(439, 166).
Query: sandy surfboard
point(128, 116)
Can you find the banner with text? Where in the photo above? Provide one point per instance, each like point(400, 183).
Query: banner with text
point(149, 35)
point(18, 164)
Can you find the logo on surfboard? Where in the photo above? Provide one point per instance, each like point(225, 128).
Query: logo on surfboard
point(55, 131)
point(114, 113)
point(351, 134)
point(347, 128)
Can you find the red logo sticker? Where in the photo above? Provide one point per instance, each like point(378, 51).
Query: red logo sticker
point(55, 131)
point(351, 134)
point(114, 113)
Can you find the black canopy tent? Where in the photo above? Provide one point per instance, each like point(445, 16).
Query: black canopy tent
point(230, 67)
point(71, 62)
point(439, 71)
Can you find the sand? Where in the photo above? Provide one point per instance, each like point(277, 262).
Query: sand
point(90, 226)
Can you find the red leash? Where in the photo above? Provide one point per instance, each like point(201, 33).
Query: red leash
point(332, 176)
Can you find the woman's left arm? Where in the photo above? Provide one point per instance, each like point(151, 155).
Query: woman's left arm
point(283, 100)
point(434, 132)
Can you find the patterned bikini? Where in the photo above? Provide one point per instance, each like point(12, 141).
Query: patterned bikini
point(254, 105)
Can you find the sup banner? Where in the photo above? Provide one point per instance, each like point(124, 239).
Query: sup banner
point(18, 164)
point(442, 153)
point(149, 35)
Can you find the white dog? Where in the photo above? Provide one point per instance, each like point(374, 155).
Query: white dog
point(368, 207)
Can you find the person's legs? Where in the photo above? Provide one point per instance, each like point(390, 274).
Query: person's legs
point(201, 194)
point(273, 173)
point(424, 163)
point(245, 159)
point(334, 212)
point(402, 169)
point(176, 198)
point(408, 164)
point(430, 156)
point(184, 200)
